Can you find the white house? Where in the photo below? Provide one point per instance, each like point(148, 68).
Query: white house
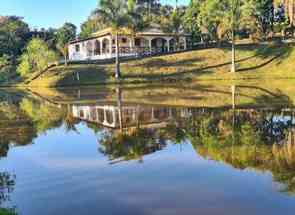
point(101, 45)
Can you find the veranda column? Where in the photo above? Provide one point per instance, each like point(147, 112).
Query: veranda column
point(184, 43)
point(150, 45)
point(131, 50)
point(111, 46)
point(93, 49)
point(105, 115)
point(101, 47)
point(168, 44)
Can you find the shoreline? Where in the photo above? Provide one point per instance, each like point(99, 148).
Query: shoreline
point(166, 82)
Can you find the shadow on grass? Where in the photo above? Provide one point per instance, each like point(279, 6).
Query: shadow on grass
point(159, 62)
point(181, 73)
point(270, 53)
point(260, 65)
point(74, 76)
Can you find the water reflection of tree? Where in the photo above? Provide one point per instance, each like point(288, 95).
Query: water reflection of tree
point(260, 140)
point(22, 119)
point(132, 145)
point(15, 127)
point(44, 116)
point(69, 120)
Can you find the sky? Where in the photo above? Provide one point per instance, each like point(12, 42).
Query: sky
point(53, 13)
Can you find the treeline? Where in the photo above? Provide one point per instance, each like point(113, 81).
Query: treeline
point(212, 19)
point(206, 20)
point(24, 51)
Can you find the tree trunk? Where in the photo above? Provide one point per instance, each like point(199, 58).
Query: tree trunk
point(233, 58)
point(119, 103)
point(233, 91)
point(118, 72)
point(66, 60)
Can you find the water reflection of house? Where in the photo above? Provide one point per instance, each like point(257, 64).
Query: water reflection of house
point(109, 115)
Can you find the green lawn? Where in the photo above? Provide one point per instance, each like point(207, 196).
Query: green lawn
point(253, 62)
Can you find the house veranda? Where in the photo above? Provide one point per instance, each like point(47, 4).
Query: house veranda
point(102, 45)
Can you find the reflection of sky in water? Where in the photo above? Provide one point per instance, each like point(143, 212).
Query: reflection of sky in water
point(64, 173)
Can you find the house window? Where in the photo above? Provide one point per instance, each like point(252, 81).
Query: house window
point(137, 42)
point(113, 41)
point(81, 114)
point(77, 48)
point(124, 40)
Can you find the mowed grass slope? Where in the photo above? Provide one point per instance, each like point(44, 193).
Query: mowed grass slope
point(253, 62)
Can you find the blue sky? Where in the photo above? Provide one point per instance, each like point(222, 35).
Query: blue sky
point(53, 13)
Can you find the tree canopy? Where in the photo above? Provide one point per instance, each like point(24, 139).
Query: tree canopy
point(36, 57)
point(13, 36)
point(63, 36)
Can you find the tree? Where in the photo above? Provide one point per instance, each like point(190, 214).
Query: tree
point(173, 23)
point(190, 19)
point(115, 14)
point(4, 60)
point(13, 36)
point(93, 24)
point(36, 57)
point(258, 16)
point(214, 16)
point(63, 36)
point(149, 6)
point(136, 22)
point(279, 14)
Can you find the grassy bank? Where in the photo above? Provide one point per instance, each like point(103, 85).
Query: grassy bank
point(253, 62)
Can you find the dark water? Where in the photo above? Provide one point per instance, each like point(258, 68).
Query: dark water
point(116, 157)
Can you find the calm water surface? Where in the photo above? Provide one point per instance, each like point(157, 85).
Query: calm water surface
point(105, 155)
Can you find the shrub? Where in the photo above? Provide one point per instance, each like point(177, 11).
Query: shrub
point(4, 60)
point(36, 57)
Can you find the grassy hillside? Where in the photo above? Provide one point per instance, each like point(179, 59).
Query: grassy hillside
point(263, 61)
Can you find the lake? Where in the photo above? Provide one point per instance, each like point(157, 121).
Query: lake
point(201, 148)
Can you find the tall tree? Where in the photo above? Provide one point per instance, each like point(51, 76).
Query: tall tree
point(93, 24)
point(13, 36)
point(63, 36)
point(190, 19)
point(214, 17)
point(173, 23)
point(115, 14)
point(136, 22)
point(258, 15)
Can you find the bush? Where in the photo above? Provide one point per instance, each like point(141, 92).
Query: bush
point(36, 57)
point(4, 60)
point(7, 73)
